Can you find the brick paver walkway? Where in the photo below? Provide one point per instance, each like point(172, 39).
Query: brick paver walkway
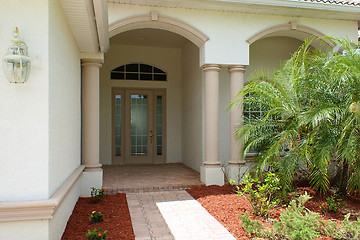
point(170, 215)
point(149, 178)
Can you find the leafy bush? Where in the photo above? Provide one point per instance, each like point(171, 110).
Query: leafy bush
point(96, 234)
point(299, 223)
point(334, 203)
point(262, 195)
point(252, 227)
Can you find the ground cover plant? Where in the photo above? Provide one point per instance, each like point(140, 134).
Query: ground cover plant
point(311, 118)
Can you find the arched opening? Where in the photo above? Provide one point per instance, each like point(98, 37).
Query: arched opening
point(270, 47)
point(156, 21)
point(151, 97)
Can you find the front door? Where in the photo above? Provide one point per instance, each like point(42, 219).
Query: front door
point(138, 126)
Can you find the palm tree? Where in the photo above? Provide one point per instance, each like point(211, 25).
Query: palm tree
point(312, 117)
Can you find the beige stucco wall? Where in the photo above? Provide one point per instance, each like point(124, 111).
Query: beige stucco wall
point(167, 59)
point(24, 108)
point(40, 120)
point(269, 53)
point(192, 105)
point(228, 31)
point(64, 99)
point(29, 230)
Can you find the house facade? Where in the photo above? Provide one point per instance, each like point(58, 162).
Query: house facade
point(136, 82)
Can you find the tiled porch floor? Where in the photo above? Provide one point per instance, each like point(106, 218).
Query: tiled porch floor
point(148, 178)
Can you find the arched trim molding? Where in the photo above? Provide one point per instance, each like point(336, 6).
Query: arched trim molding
point(286, 27)
point(154, 20)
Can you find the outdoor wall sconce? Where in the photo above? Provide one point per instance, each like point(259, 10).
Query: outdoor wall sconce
point(16, 62)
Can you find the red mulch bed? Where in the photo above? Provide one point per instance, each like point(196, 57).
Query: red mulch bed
point(116, 218)
point(223, 204)
point(220, 201)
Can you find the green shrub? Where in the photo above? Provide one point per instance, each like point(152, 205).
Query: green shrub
point(252, 227)
point(262, 195)
point(333, 203)
point(299, 223)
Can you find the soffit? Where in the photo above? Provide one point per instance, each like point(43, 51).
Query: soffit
point(81, 18)
point(328, 9)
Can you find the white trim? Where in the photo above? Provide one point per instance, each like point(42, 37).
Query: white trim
point(154, 20)
point(278, 7)
point(292, 26)
point(39, 210)
point(99, 56)
point(101, 16)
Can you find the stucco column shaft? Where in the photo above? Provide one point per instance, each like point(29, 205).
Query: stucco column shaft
point(236, 114)
point(90, 115)
point(211, 73)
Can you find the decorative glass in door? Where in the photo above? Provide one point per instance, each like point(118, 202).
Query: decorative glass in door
point(139, 125)
point(117, 125)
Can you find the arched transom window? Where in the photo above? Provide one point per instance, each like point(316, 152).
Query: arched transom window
point(138, 71)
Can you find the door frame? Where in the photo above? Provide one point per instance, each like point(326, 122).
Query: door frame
point(125, 157)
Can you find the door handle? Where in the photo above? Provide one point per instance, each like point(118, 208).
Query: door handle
point(151, 135)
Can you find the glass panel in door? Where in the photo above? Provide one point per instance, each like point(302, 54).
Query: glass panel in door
point(159, 125)
point(139, 125)
point(118, 125)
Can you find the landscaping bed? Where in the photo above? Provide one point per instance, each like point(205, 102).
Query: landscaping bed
point(220, 201)
point(225, 206)
point(116, 218)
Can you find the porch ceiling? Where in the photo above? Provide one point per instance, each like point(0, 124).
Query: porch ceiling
point(88, 22)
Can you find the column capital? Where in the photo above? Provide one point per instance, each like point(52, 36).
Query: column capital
point(236, 68)
point(209, 67)
point(92, 62)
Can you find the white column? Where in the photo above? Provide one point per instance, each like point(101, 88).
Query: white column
point(211, 172)
point(236, 116)
point(90, 125)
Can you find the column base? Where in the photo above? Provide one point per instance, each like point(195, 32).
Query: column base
point(212, 175)
point(93, 168)
point(89, 180)
point(235, 172)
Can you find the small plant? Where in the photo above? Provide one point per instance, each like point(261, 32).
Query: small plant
point(252, 227)
point(262, 195)
point(333, 203)
point(97, 194)
point(96, 234)
point(96, 217)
